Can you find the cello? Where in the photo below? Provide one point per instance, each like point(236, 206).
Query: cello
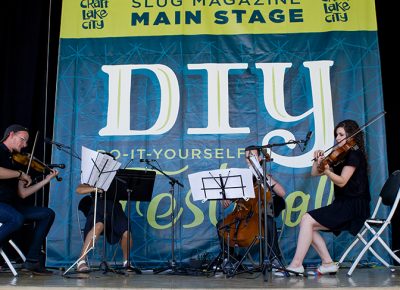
point(242, 224)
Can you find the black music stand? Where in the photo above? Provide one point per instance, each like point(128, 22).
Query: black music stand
point(221, 181)
point(172, 181)
point(139, 186)
point(233, 183)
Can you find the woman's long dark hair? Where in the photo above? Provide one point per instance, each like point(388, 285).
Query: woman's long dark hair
point(350, 127)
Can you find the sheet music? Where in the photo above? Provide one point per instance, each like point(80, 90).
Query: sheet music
point(86, 163)
point(255, 167)
point(206, 184)
point(98, 169)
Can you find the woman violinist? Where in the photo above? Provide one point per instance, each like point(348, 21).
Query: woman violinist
point(14, 185)
point(350, 207)
point(247, 211)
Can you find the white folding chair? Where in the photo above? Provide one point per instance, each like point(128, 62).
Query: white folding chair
point(389, 196)
point(3, 254)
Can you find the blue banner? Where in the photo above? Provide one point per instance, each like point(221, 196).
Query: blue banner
point(193, 103)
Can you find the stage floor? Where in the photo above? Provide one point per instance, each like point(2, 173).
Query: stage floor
point(373, 278)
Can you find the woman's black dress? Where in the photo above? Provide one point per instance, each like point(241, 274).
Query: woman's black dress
point(350, 207)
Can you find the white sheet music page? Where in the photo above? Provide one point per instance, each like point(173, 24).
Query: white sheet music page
point(98, 169)
point(238, 183)
point(86, 163)
point(108, 167)
point(255, 167)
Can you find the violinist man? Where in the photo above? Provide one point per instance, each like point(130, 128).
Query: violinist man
point(14, 186)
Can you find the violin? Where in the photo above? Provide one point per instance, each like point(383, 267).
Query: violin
point(337, 155)
point(37, 165)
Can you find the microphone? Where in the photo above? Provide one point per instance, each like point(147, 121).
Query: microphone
point(49, 141)
point(62, 166)
point(308, 137)
point(147, 160)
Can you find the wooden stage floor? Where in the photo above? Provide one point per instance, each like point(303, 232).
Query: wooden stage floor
point(371, 278)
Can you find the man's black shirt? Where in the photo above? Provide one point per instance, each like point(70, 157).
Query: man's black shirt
point(8, 187)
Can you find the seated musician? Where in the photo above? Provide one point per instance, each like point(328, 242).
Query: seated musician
point(116, 226)
point(16, 185)
point(350, 207)
point(278, 193)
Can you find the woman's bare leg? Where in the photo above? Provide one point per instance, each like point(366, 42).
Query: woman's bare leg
point(124, 245)
point(98, 229)
point(308, 228)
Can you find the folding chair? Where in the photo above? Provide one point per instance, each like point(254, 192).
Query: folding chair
point(389, 196)
point(3, 254)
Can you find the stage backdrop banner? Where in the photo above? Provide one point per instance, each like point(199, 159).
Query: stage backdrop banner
point(188, 85)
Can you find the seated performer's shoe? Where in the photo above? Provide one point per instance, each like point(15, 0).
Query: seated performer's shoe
point(275, 265)
point(82, 267)
point(330, 269)
point(294, 272)
point(126, 266)
point(130, 268)
point(35, 268)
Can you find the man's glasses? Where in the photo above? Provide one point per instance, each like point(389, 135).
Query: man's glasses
point(23, 139)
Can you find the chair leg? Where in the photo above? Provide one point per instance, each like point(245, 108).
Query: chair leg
point(360, 255)
point(383, 243)
point(17, 249)
point(389, 250)
point(10, 265)
point(367, 246)
point(356, 240)
point(386, 264)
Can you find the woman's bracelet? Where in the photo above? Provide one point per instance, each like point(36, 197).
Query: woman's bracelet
point(20, 174)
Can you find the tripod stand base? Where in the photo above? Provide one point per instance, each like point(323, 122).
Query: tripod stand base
point(133, 269)
point(230, 267)
point(171, 269)
point(106, 269)
point(104, 266)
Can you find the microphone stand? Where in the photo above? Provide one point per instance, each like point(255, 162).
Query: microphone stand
point(64, 148)
point(172, 182)
point(266, 260)
point(305, 141)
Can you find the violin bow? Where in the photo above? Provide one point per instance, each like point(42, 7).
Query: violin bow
point(33, 149)
point(367, 124)
point(377, 117)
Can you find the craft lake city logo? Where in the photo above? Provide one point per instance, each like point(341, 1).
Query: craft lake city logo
point(94, 13)
point(336, 10)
